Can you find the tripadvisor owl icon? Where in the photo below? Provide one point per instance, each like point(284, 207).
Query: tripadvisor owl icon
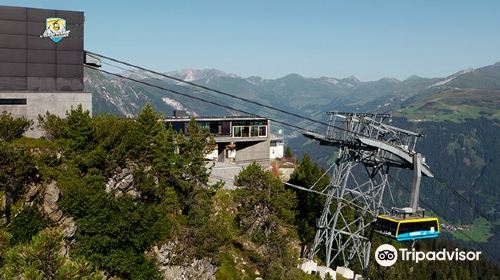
point(386, 255)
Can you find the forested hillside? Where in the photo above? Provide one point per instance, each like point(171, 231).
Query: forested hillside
point(107, 197)
point(129, 199)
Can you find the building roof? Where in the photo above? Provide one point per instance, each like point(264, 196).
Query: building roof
point(214, 118)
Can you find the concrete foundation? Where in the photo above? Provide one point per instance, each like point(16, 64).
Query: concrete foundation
point(39, 103)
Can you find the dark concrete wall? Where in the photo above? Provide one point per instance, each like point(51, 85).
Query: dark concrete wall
point(31, 63)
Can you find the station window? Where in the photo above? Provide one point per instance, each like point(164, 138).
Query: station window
point(255, 130)
point(245, 131)
point(237, 131)
point(262, 131)
point(13, 101)
point(250, 131)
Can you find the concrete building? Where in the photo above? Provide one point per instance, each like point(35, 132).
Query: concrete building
point(41, 62)
point(239, 139)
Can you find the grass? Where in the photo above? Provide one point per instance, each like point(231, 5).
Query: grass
point(227, 269)
point(32, 143)
point(479, 231)
point(455, 105)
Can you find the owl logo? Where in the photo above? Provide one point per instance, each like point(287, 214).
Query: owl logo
point(55, 29)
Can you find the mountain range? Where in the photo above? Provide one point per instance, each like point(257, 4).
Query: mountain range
point(459, 114)
point(414, 97)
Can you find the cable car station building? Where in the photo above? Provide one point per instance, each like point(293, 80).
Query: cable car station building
point(41, 63)
point(239, 139)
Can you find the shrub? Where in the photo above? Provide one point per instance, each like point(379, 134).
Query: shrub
point(41, 259)
point(53, 126)
point(13, 128)
point(26, 224)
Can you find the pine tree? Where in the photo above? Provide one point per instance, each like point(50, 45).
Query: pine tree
point(265, 215)
point(17, 170)
point(79, 129)
point(41, 259)
point(288, 152)
point(309, 205)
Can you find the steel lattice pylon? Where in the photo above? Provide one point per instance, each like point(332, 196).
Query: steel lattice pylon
point(368, 147)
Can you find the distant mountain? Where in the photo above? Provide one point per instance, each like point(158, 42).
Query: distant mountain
point(487, 77)
point(467, 94)
point(123, 97)
point(452, 77)
point(195, 74)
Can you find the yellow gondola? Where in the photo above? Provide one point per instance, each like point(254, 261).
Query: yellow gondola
point(408, 228)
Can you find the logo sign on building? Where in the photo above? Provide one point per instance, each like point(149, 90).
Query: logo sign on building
point(55, 29)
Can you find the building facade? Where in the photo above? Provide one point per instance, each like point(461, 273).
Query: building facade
point(239, 139)
point(41, 62)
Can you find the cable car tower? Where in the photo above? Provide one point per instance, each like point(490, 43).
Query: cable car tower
point(367, 148)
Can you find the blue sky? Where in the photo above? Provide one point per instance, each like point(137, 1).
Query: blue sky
point(367, 39)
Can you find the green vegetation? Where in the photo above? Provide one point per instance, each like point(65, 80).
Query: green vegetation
point(454, 105)
point(26, 224)
point(288, 152)
point(310, 205)
point(479, 231)
point(265, 217)
point(173, 202)
point(17, 170)
point(258, 230)
point(12, 128)
point(41, 259)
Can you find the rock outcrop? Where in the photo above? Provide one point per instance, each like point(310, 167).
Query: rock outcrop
point(196, 269)
point(122, 183)
point(50, 196)
point(50, 199)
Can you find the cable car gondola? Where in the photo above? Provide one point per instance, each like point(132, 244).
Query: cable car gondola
point(408, 228)
point(405, 224)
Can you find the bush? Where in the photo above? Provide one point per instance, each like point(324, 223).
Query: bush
point(309, 205)
point(114, 232)
point(26, 224)
point(13, 128)
point(53, 126)
point(41, 259)
point(17, 170)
